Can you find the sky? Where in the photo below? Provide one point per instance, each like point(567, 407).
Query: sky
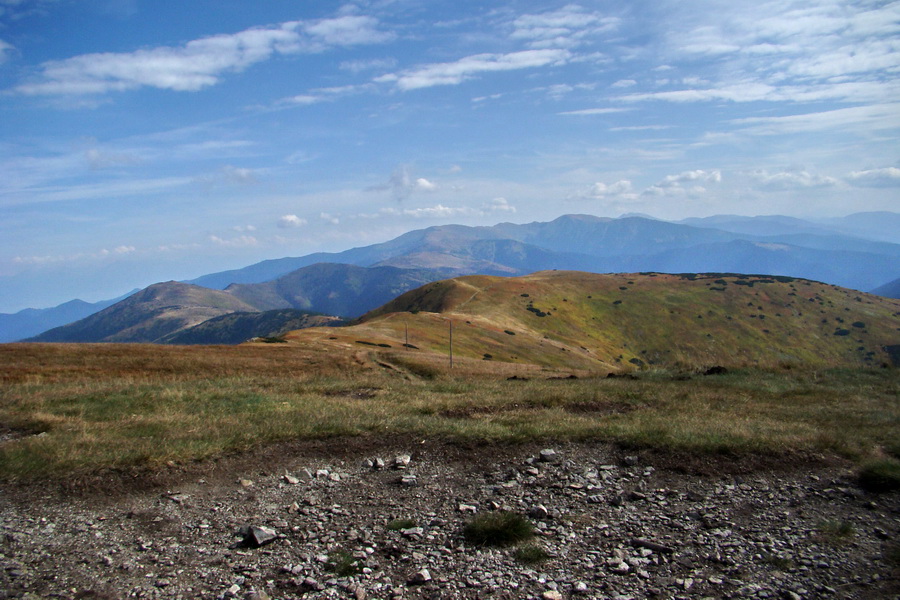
point(144, 141)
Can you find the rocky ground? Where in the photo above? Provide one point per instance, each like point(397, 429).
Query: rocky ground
point(328, 520)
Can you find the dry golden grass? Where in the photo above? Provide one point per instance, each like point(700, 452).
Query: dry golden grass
point(118, 406)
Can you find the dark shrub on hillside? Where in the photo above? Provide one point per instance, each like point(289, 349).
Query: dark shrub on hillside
point(880, 475)
point(498, 528)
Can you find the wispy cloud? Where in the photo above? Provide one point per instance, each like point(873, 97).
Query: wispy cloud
point(593, 111)
point(287, 221)
point(402, 184)
point(242, 241)
point(199, 63)
point(562, 28)
point(6, 51)
point(871, 117)
point(886, 177)
point(793, 180)
point(454, 73)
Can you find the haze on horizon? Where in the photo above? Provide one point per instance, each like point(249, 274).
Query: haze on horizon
point(144, 141)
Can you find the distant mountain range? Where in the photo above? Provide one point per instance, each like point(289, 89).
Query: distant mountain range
point(859, 252)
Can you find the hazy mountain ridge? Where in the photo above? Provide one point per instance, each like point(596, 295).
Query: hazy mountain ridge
point(235, 328)
point(570, 242)
point(149, 315)
point(171, 312)
point(584, 242)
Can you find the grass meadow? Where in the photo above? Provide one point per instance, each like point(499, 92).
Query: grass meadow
point(69, 409)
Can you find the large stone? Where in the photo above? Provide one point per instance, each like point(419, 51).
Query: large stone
point(256, 536)
point(420, 577)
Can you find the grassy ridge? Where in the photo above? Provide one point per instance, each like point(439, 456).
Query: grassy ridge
point(595, 321)
point(120, 406)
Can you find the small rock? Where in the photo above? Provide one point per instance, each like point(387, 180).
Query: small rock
point(254, 536)
point(551, 595)
point(378, 464)
point(539, 512)
point(548, 455)
point(291, 479)
point(420, 577)
point(467, 508)
point(402, 461)
point(409, 481)
point(630, 461)
point(245, 483)
point(311, 584)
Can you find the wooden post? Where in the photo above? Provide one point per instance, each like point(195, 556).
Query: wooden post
point(406, 328)
point(451, 344)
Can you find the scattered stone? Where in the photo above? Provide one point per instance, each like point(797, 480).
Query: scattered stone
point(420, 577)
point(539, 512)
point(548, 455)
point(651, 545)
point(291, 479)
point(409, 481)
point(256, 536)
point(245, 483)
point(402, 461)
point(630, 461)
point(467, 508)
point(551, 595)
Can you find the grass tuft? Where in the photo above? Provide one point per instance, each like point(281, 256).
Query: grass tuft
point(531, 554)
point(398, 524)
point(343, 564)
point(836, 532)
point(498, 528)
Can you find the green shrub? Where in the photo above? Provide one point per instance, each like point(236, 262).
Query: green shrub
point(398, 524)
point(343, 564)
point(530, 555)
point(882, 475)
point(498, 528)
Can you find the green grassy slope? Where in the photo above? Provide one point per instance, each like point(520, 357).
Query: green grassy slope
point(591, 321)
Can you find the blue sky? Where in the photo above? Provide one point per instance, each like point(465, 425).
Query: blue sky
point(144, 141)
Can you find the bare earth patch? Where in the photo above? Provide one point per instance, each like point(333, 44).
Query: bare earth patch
point(609, 524)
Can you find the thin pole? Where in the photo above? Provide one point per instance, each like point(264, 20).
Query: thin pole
point(451, 344)
point(406, 327)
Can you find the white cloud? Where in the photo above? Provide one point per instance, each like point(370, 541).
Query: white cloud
point(290, 221)
point(454, 73)
point(562, 28)
point(498, 205)
point(243, 241)
point(374, 64)
point(424, 185)
point(785, 51)
point(603, 190)
point(791, 180)
point(624, 83)
point(229, 174)
point(698, 175)
point(124, 249)
point(329, 218)
point(593, 111)
point(5, 51)
point(886, 177)
point(872, 117)
point(401, 184)
point(199, 63)
point(430, 212)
